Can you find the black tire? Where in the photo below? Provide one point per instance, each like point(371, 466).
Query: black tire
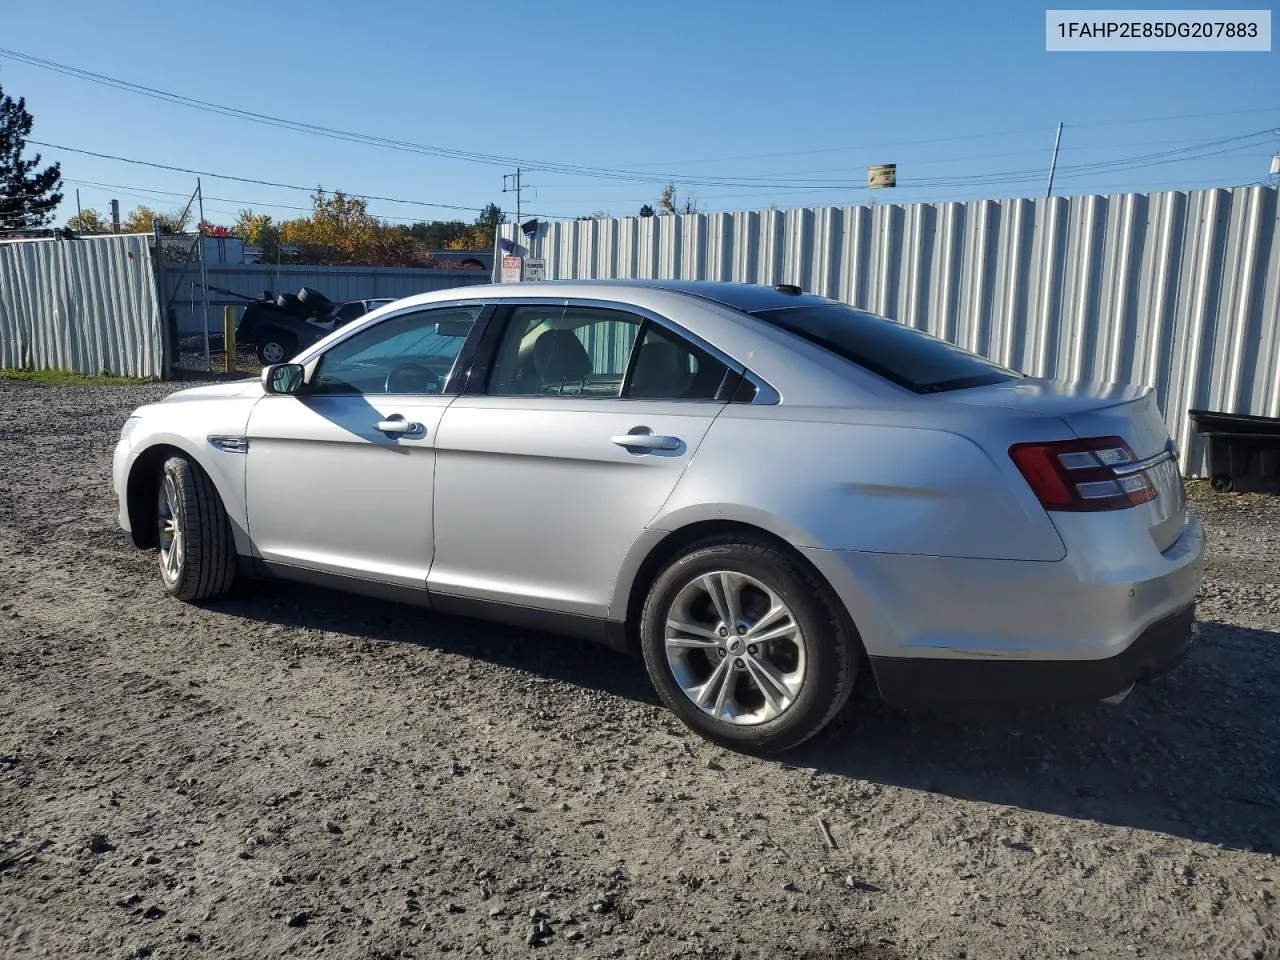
point(291, 305)
point(205, 564)
point(315, 299)
point(1222, 482)
point(831, 642)
point(275, 347)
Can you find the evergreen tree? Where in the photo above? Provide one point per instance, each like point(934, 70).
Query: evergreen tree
point(28, 195)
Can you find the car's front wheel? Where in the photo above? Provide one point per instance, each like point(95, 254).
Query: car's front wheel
point(197, 552)
point(747, 646)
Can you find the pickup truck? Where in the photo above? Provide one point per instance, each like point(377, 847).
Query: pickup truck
point(278, 327)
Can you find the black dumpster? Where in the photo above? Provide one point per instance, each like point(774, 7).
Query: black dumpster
point(1243, 452)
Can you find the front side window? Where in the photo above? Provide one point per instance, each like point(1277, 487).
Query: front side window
point(410, 353)
point(902, 355)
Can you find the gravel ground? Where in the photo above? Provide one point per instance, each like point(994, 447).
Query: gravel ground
point(292, 772)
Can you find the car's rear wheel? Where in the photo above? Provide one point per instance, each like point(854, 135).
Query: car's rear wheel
point(276, 348)
point(747, 646)
point(197, 552)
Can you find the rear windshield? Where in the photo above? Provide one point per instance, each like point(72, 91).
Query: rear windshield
point(907, 357)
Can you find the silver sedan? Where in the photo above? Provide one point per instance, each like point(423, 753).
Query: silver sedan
point(761, 492)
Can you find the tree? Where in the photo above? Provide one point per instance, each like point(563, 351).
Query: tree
point(646, 211)
point(145, 220)
point(669, 204)
point(259, 230)
point(88, 220)
point(438, 234)
point(486, 229)
point(340, 229)
point(28, 195)
point(491, 216)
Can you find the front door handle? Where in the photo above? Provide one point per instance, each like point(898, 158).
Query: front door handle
point(399, 426)
point(642, 439)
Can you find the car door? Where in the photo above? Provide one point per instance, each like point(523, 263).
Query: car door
point(339, 477)
point(550, 469)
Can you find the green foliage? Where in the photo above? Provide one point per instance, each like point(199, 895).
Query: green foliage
point(89, 220)
point(646, 211)
point(341, 231)
point(669, 203)
point(68, 378)
point(438, 234)
point(143, 219)
point(28, 195)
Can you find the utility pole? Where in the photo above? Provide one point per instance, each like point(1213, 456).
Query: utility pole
point(1053, 162)
point(79, 215)
point(204, 273)
point(115, 216)
point(515, 179)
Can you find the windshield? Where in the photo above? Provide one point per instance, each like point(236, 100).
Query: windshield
point(907, 357)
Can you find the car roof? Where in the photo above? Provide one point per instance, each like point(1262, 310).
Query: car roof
point(748, 297)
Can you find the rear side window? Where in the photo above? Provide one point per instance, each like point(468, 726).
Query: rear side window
point(669, 368)
point(907, 357)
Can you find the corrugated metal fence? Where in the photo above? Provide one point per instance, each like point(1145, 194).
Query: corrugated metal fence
point(87, 305)
point(1178, 291)
point(336, 283)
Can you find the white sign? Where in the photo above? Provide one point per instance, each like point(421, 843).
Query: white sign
point(510, 269)
point(535, 268)
point(882, 175)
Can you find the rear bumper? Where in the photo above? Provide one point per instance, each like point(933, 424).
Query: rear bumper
point(919, 680)
point(1114, 611)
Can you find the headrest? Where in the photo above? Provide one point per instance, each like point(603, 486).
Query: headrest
point(558, 355)
point(660, 371)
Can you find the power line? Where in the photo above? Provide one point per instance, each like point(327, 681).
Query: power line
point(1190, 152)
point(330, 132)
point(980, 136)
point(597, 172)
point(137, 192)
point(226, 176)
point(262, 183)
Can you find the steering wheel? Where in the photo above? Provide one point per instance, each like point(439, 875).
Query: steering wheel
point(411, 377)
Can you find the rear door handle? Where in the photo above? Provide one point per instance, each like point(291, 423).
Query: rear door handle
point(646, 441)
point(399, 426)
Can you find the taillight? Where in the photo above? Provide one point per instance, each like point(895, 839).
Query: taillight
point(1083, 474)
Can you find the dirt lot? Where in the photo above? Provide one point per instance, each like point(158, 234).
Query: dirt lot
point(290, 772)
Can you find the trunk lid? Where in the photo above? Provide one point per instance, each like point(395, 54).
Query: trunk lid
point(1103, 410)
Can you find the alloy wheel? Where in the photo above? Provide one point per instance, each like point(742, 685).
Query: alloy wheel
point(170, 530)
point(735, 648)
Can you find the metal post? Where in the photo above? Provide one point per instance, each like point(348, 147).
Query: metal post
point(515, 178)
point(204, 274)
point(79, 215)
point(229, 339)
point(1053, 163)
point(115, 216)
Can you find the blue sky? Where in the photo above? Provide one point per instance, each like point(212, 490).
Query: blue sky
point(782, 92)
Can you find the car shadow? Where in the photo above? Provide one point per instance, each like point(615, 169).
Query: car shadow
point(571, 660)
point(1195, 753)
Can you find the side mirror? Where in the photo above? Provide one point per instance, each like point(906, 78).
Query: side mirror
point(284, 378)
